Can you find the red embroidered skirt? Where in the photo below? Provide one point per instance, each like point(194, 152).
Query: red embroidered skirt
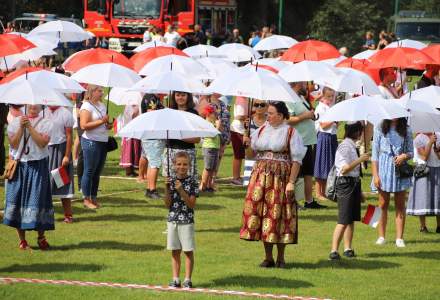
point(267, 214)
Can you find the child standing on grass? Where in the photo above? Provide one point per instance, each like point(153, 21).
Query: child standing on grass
point(211, 150)
point(180, 197)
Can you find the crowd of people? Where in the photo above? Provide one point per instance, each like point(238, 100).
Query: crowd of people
point(285, 141)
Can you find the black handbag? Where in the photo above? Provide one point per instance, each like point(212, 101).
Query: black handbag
point(421, 170)
point(404, 170)
point(112, 144)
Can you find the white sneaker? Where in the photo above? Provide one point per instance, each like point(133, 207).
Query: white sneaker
point(381, 241)
point(400, 243)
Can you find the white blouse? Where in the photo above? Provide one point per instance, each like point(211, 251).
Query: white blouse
point(61, 119)
point(35, 152)
point(274, 139)
point(345, 155)
point(100, 133)
point(421, 141)
point(320, 110)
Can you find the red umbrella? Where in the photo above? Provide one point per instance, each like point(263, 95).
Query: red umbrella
point(88, 57)
point(139, 60)
point(17, 73)
point(434, 52)
point(400, 57)
point(310, 50)
point(361, 65)
point(13, 44)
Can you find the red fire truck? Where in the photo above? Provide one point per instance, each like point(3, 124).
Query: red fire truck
point(123, 22)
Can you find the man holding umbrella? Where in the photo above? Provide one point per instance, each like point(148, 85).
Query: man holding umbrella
point(301, 118)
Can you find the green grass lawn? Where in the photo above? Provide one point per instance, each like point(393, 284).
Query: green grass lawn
point(124, 242)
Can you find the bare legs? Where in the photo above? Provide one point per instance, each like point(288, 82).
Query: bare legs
point(320, 187)
point(308, 188)
point(236, 168)
point(342, 230)
point(143, 165)
point(384, 202)
point(152, 174)
point(176, 263)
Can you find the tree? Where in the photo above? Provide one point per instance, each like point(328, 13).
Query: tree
point(344, 23)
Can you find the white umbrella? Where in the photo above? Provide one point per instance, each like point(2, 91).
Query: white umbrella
point(275, 42)
point(168, 124)
point(239, 53)
point(166, 82)
point(430, 95)
point(123, 96)
point(349, 80)
point(365, 54)
point(64, 31)
point(273, 63)
point(423, 116)
point(364, 108)
point(307, 71)
point(334, 61)
point(253, 83)
point(52, 80)
point(27, 92)
point(216, 66)
point(151, 44)
point(199, 51)
point(177, 63)
point(407, 43)
point(107, 75)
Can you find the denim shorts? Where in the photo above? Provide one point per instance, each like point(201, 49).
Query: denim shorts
point(152, 150)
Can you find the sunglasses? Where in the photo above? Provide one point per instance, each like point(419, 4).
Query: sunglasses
point(261, 105)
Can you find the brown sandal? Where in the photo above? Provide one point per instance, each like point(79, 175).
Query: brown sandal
point(267, 264)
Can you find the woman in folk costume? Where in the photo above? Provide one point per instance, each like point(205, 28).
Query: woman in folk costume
point(270, 210)
point(60, 155)
point(28, 196)
point(130, 148)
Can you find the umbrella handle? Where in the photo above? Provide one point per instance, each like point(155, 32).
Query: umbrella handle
point(168, 156)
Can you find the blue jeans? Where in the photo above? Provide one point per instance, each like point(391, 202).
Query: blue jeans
point(94, 154)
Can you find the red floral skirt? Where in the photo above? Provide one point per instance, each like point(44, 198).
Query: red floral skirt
point(268, 215)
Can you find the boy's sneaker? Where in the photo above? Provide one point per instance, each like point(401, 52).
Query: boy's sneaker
point(154, 194)
point(349, 253)
point(187, 284)
point(174, 284)
point(334, 256)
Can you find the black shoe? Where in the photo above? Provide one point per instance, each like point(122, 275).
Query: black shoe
point(175, 284)
point(187, 284)
point(349, 253)
point(424, 229)
point(153, 194)
point(334, 256)
point(314, 205)
point(438, 229)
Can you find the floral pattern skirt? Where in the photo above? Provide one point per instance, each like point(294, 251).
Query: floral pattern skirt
point(268, 215)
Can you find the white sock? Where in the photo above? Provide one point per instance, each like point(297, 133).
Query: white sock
point(176, 279)
point(187, 279)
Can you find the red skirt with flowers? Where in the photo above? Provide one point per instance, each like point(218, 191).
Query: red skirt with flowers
point(268, 215)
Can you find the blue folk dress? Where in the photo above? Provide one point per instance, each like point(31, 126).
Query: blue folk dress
point(383, 155)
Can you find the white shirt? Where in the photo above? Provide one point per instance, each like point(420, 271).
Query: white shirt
point(35, 152)
point(274, 139)
point(421, 141)
point(320, 111)
point(61, 119)
point(240, 110)
point(171, 38)
point(100, 133)
point(147, 36)
point(345, 155)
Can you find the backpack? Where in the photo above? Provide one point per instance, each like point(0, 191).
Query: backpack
point(330, 188)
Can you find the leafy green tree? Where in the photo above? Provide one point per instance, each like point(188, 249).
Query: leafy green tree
point(344, 22)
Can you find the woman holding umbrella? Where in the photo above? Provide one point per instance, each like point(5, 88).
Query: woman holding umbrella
point(181, 101)
point(270, 210)
point(28, 195)
point(95, 123)
point(392, 147)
